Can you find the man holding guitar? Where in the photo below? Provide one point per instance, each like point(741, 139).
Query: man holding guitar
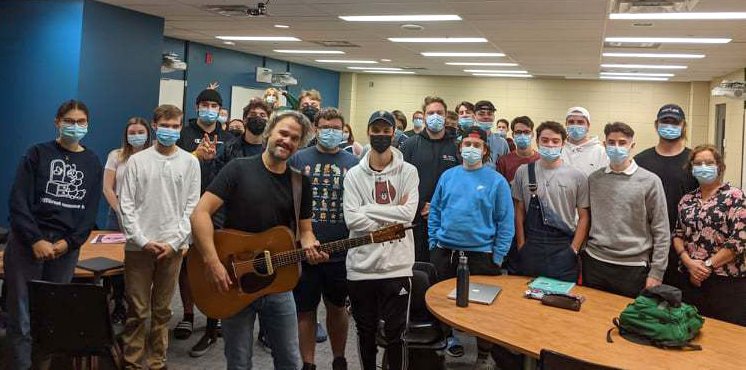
point(257, 194)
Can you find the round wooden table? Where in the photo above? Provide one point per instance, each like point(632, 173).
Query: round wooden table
point(527, 326)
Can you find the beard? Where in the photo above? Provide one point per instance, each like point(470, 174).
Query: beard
point(280, 151)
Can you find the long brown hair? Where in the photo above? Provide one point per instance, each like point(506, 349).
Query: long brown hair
point(127, 149)
point(351, 138)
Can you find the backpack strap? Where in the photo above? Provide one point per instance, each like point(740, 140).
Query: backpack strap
point(532, 186)
point(296, 181)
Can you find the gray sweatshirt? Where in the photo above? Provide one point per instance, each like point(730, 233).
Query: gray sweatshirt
point(629, 219)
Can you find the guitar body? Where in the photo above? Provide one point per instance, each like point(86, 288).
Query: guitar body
point(243, 254)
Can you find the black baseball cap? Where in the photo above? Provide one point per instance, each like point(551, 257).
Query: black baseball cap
point(484, 105)
point(475, 131)
point(210, 95)
point(673, 111)
point(384, 116)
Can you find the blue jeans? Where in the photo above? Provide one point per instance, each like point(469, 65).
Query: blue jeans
point(112, 221)
point(20, 268)
point(278, 319)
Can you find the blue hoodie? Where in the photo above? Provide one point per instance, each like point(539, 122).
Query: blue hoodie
point(472, 210)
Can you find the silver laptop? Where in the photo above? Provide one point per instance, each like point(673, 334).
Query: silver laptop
point(480, 293)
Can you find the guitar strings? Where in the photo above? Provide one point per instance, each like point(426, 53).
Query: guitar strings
point(282, 259)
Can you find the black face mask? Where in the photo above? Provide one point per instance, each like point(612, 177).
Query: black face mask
point(236, 131)
point(310, 112)
point(380, 143)
point(451, 131)
point(256, 125)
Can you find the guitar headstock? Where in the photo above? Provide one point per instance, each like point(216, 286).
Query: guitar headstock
point(389, 233)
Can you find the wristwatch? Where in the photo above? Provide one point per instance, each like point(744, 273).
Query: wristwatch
point(708, 263)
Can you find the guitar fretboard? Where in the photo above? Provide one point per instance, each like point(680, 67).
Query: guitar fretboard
point(297, 255)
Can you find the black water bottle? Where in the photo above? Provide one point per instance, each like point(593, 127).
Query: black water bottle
point(462, 282)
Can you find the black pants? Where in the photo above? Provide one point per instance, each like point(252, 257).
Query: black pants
point(628, 281)
point(421, 245)
point(446, 262)
point(383, 301)
point(719, 297)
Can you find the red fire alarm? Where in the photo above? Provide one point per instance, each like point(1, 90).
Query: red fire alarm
point(208, 58)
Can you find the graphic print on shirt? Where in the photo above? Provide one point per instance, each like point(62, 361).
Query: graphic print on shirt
point(385, 193)
point(327, 192)
point(65, 181)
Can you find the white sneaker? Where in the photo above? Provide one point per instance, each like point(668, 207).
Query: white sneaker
point(486, 363)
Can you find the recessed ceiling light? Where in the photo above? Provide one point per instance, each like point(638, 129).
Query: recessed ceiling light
point(390, 72)
point(289, 51)
point(346, 61)
point(642, 66)
point(281, 26)
point(673, 40)
point(494, 71)
point(482, 64)
point(654, 55)
point(634, 78)
point(376, 68)
point(442, 54)
point(680, 16)
point(385, 60)
point(258, 38)
point(439, 39)
point(229, 43)
point(501, 75)
point(400, 18)
point(636, 74)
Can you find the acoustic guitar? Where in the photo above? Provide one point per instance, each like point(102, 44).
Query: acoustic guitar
point(261, 264)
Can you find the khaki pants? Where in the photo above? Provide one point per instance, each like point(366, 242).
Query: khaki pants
point(149, 285)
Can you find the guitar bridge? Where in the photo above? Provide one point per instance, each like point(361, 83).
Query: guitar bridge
point(268, 263)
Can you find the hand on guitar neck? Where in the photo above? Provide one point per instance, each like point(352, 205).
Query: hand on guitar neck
point(313, 254)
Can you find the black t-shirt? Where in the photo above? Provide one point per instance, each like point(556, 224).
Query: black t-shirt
point(257, 199)
point(676, 178)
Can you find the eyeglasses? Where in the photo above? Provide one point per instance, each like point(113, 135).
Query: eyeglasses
point(79, 122)
point(521, 132)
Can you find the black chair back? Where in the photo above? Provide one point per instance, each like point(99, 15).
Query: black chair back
point(423, 276)
point(550, 360)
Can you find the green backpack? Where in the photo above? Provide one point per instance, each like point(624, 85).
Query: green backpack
point(658, 317)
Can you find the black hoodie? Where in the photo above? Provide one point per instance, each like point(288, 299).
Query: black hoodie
point(431, 158)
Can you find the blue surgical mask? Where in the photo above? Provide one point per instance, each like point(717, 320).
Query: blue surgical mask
point(330, 138)
point(465, 122)
point(670, 132)
point(617, 154)
point(471, 155)
point(270, 99)
point(577, 132)
point(418, 122)
point(705, 174)
point(167, 136)
point(73, 133)
point(207, 115)
point(222, 119)
point(485, 125)
point(137, 140)
point(502, 133)
point(550, 154)
point(522, 141)
point(435, 122)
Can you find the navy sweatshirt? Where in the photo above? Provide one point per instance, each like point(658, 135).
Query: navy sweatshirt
point(55, 195)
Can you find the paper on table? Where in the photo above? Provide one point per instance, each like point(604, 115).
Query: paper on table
point(551, 285)
point(115, 238)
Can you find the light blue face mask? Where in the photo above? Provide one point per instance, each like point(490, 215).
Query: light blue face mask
point(670, 132)
point(207, 115)
point(617, 154)
point(167, 136)
point(705, 174)
point(522, 141)
point(330, 138)
point(502, 133)
point(471, 155)
point(73, 133)
point(465, 122)
point(418, 122)
point(577, 132)
point(550, 154)
point(485, 125)
point(435, 122)
point(222, 119)
point(137, 140)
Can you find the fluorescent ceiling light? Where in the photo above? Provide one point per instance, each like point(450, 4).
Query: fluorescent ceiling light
point(641, 66)
point(376, 68)
point(401, 18)
point(385, 60)
point(288, 51)
point(483, 64)
point(654, 55)
point(679, 16)
point(229, 43)
point(281, 26)
point(391, 72)
point(447, 54)
point(501, 75)
point(346, 61)
point(635, 74)
point(672, 40)
point(438, 39)
point(258, 38)
point(494, 71)
point(634, 78)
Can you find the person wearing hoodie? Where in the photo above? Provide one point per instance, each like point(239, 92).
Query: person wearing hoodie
point(484, 112)
point(381, 190)
point(432, 152)
point(580, 151)
point(471, 215)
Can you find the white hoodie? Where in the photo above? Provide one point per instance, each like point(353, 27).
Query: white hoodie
point(371, 201)
point(587, 157)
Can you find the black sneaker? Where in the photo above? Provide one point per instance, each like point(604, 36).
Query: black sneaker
point(184, 328)
point(339, 363)
point(204, 345)
point(119, 315)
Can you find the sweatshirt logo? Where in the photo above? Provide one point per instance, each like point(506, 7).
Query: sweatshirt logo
point(384, 192)
point(65, 181)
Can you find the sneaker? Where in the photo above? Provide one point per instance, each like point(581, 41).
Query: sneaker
point(204, 345)
point(307, 366)
point(321, 336)
point(184, 329)
point(118, 315)
point(454, 347)
point(485, 363)
point(339, 363)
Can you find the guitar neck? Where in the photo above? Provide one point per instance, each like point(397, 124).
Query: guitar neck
point(298, 255)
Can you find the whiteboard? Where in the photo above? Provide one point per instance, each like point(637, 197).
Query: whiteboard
point(172, 92)
point(240, 97)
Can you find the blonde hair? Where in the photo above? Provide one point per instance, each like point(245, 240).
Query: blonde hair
point(312, 94)
point(272, 92)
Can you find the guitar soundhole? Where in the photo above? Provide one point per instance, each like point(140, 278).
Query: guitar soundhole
point(253, 282)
